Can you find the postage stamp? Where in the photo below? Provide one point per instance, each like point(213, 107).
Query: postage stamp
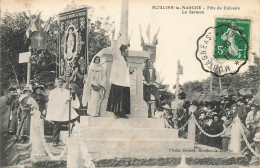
point(224, 49)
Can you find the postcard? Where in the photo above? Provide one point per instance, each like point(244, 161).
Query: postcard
point(127, 83)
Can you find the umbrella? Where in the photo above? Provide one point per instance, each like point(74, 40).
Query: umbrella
point(228, 92)
point(257, 99)
point(192, 96)
point(211, 98)
point(245, 91)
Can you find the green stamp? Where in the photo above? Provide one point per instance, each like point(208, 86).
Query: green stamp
point(232, 38)
point(224, 49)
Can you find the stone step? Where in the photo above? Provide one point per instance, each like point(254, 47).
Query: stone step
point(130, 133)
point(194, 159)
point(110, 122)
point(136, 145)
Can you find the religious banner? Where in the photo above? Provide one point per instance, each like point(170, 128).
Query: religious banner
point(73, 46)
point(39, 40)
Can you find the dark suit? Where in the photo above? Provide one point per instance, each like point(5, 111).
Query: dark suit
point(241, 112)
point(150, 89)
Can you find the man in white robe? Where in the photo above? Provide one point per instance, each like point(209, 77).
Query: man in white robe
point(58, 108)
point(119, 95)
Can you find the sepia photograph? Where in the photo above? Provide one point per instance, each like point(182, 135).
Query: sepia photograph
point(127, 83)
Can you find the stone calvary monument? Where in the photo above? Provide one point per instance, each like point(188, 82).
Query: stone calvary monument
point(138, 136)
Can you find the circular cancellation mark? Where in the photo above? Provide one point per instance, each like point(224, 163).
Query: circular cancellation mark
point(222, 50)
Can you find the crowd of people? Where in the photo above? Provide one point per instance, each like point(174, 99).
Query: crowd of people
point(215, 118)
point(25, 100)
point(22, 102)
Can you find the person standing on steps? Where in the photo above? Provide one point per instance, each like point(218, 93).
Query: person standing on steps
point(119, 95)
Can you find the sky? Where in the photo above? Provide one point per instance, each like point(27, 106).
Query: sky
point(178, 32)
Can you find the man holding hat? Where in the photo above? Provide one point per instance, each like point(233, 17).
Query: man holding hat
point(13, 102)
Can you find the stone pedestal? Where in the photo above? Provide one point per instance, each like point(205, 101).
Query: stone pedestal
point(35, 136)
point(74, 157)
point(134, 135)
point(135, 59)
point(192, 129)
point(235, 141)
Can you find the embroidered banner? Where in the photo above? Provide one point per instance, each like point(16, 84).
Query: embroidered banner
point(73, 45)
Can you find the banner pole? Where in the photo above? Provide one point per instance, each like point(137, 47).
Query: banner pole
point(59, 47)
point(29, 64)
point(86, 51)
point(70, 109)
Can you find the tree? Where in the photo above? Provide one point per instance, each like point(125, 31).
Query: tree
point(195, 86)
point(13, 42)
point(12, 32)
point(249, 79)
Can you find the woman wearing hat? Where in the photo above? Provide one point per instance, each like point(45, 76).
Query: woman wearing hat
point(39, 98)
point(27, 104)
point(202, 138)
point(216, 127)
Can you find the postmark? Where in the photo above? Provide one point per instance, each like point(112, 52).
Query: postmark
point(224, 49)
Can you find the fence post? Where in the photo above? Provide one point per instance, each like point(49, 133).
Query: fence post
point(74, 157)
point(191, 128)
point(235, 142)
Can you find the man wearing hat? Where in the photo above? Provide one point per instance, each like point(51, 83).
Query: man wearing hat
point(167, 115)
point(13, 102)
point(240, 110)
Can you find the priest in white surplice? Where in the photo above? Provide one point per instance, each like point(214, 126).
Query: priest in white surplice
point(119, 95)
point(58, 108)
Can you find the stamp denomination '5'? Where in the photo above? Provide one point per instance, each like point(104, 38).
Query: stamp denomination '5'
point(224, 49)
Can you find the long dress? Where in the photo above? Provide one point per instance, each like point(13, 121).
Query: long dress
point(27, 104)
point(119, 95)
point(91, 97)
point(58, 106)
